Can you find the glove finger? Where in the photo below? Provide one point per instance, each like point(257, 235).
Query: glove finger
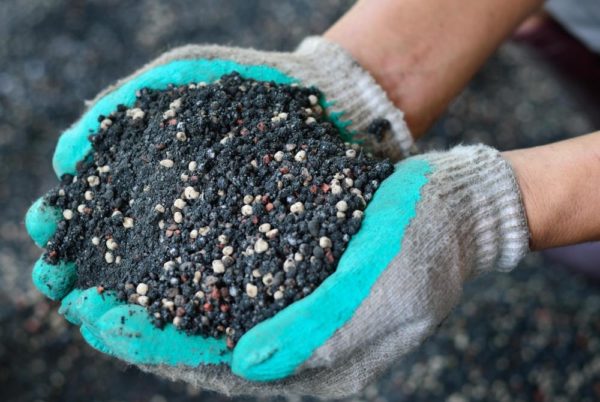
point(90, 337)
point(127, 332)
point(41, 221)
point(67, 306)
point(277, 347)
point(54, 281)
point(74, 145)
point(89, 305)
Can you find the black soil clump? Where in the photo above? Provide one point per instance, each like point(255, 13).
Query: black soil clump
point(215, 206)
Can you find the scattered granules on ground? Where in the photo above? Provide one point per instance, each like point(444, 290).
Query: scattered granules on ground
point(215, 206)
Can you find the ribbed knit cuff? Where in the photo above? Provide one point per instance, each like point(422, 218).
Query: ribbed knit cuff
point(354, 92)
point(480, 190)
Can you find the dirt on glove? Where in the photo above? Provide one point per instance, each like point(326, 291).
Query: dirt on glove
point(214, 205)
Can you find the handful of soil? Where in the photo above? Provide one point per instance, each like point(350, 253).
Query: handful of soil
point(214, 205)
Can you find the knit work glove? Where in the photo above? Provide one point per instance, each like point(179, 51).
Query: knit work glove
point(438, 220)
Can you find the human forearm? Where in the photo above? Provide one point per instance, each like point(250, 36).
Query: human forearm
point(560, 185)
point(424, 52)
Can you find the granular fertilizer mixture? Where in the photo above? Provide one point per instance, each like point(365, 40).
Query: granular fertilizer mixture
point(214, 205)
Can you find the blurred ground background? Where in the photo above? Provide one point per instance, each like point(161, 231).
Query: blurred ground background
point(532, 335)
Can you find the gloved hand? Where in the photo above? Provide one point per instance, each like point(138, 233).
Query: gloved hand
point(438, 220)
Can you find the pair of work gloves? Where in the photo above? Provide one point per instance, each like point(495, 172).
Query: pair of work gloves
point(440, 219)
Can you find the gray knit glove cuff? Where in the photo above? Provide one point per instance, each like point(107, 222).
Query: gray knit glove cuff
point(483, 201)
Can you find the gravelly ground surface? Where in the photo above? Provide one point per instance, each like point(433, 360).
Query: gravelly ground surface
point(531, 335)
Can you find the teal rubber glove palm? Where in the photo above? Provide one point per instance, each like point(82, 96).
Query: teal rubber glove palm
point(431, 225)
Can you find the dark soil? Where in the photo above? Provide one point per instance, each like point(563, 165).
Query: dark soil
point(215, 206)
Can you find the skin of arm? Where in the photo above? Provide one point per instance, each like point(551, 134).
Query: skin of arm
point(423, 53)
point(560, 186)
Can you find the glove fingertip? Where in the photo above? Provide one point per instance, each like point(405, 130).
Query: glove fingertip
point(91, 304)
point(54, 281)
point(67, 307)
point(94, 341)
point(41, 221)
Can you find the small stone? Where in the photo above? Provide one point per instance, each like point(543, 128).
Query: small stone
point(342, 206)
point(350, 153)
point(267, 279)
point(193, 234)
point(177, 321)
point(357, 214)
point(168, 114)
point(246, 210)
point(325, 242)
point(297, 208)
point(180, 136)
point(95, 241)
point(288, 264)
point(248, 199)
point(169, 265)
point(223, 239)
point(168, 163)
point(135, 113)
point(179, 203)
point(218, 267)
point(310, 120)
point(278, 156)
point(178, 217)
point(111, 244)
point(109, 257)
point(282, 115)
point(141, 289)
point(264, 228)
point(190, 193)
point(227, 250)
point(106, 123)
point(203, 231)
point(336, 189)
point(273, 233)
point(88, 195)
point(278, 295)
point(175, 105)
point(192, 166)
point(93, 181)
point(313, 100)
point(68, 214)
point(261, 246)
point(256, 273)
point(251, 290)
point(104, 169)
point(127, 222)
point(300, 156)
point(143, 300)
